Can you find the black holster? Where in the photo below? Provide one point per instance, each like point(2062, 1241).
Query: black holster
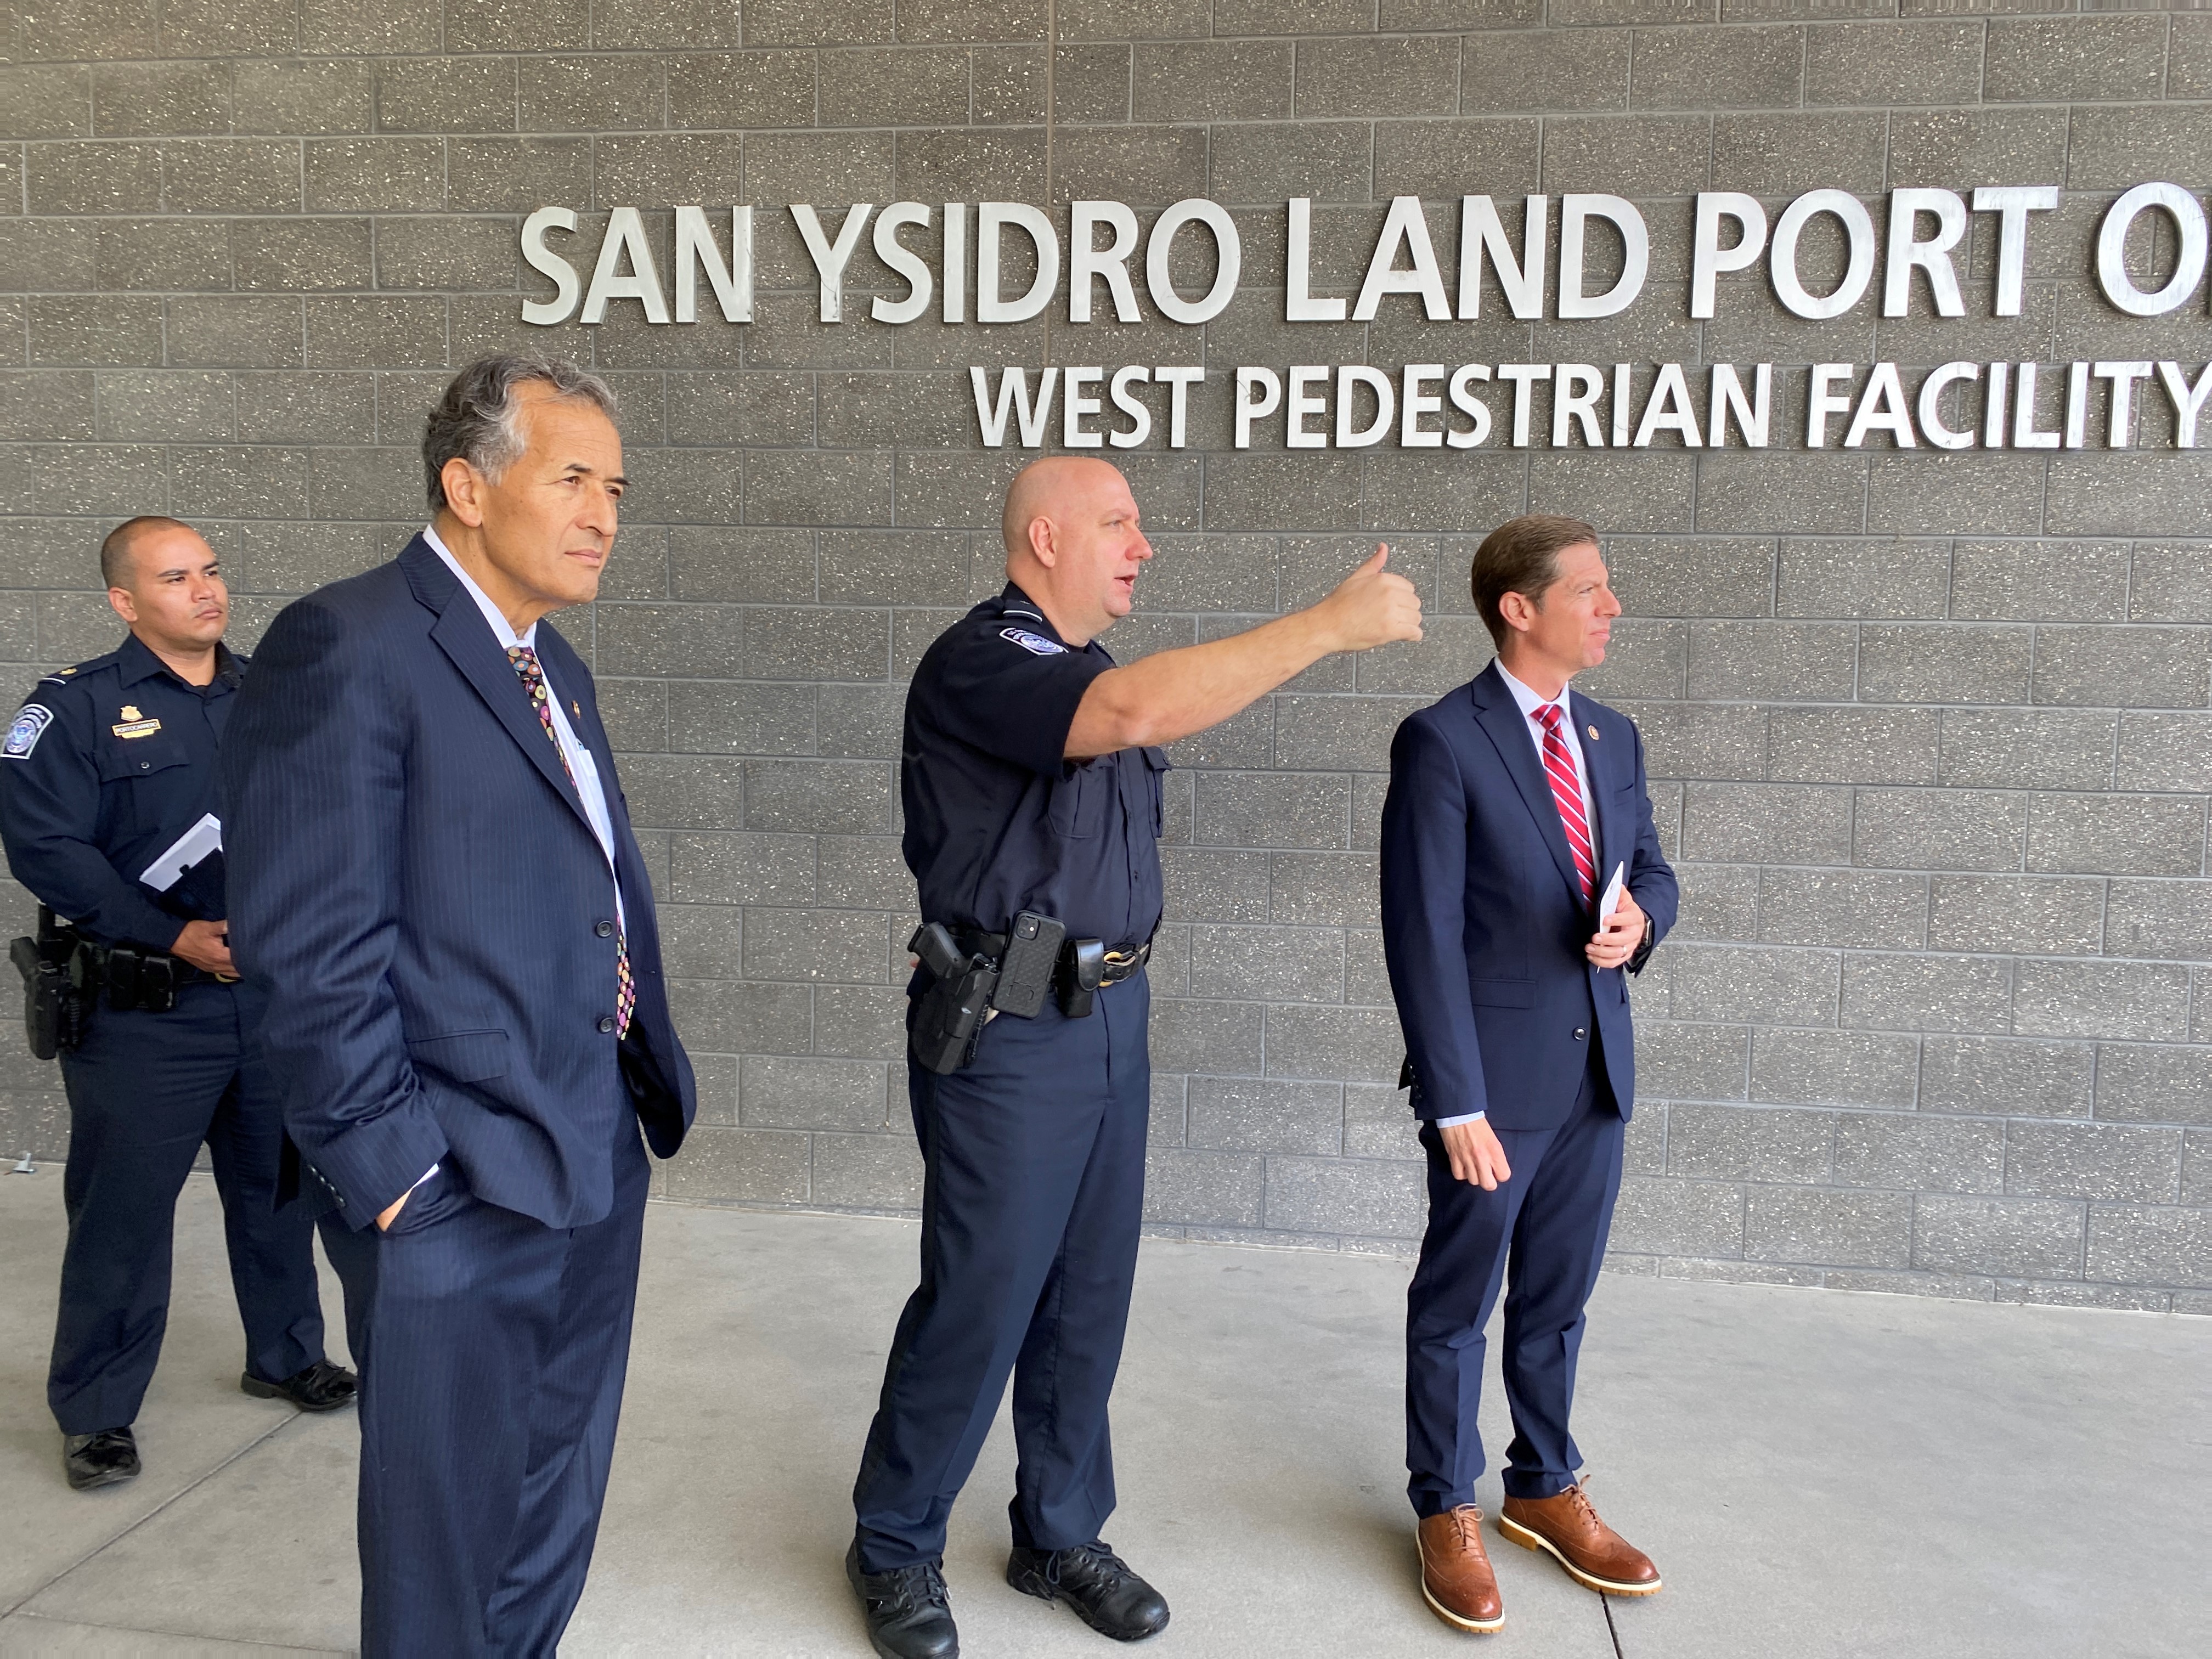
point(54, 1008)
point(948, 1017)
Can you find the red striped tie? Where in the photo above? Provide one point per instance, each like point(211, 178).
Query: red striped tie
point(1560, 766)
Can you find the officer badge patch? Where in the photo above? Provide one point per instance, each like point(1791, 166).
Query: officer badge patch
point(1035, 644)
point(31, 722)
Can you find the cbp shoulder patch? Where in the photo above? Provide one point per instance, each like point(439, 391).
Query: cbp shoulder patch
point(1035, 644)
point(30, 725)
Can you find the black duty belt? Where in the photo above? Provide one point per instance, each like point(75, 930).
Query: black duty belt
point(133, 978)
point(1123, 961)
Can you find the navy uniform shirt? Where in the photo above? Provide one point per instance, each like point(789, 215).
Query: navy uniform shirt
point(997, 821)
point(103, 769)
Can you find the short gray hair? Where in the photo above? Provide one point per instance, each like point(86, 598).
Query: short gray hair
point(479, 419)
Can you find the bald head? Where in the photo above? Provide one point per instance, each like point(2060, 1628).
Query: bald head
point(1072, 542)
point(1052, 488)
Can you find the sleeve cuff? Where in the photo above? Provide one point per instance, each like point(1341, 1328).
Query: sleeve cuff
point(1641, 954)
point(372, 1166)
point(1462, 1117)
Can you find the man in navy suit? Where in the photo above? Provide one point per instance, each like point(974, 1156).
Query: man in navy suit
point(1521, 875)
point(435, 883)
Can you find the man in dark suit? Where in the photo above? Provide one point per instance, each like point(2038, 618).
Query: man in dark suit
point(1521, 874)
point(436, 885)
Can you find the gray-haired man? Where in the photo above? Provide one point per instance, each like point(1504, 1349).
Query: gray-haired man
point(437, 888)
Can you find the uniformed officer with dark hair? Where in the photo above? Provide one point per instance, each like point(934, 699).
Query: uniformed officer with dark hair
point(1031, 780)
point(108, 791)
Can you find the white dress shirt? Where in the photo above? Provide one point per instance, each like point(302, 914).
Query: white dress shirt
point(1532, 707)
point(581, 764)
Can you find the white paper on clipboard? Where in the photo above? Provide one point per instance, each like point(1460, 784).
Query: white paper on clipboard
point(1613, 889)
point(188, 849)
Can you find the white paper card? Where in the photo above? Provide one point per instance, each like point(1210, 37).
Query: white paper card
point(181, 855)
point(1611, 901)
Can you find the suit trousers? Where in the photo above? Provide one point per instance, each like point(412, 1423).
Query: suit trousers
point(1032, 1198)
point(145, 1092)
point(1547, 1225)
point(496, 1349)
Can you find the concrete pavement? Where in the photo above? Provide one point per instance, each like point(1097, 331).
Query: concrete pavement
point(1816, 1473)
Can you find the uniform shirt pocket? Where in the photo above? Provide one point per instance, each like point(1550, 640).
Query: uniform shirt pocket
point(1078, 809)
point(139, 757)
point(1157, 767)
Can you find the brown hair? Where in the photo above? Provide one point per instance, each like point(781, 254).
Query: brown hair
point(1522, 556)
point(122, 540)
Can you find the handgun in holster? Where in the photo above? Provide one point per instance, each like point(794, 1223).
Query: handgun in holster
point(54, 1009)
point(1008, 973)
point(949, 1016)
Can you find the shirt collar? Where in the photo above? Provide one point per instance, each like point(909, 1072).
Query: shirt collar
point(501, 629)
point(138, 661)
point(1529, 701)
point(1012, 602)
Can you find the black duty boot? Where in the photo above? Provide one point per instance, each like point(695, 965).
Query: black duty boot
point(908, 1614)
point(1097, 1583)
point(322, 1387)
point(99, 1459)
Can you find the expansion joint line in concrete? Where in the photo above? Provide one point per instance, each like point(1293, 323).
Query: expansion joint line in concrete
point(180, 1635)
point(40, 1589)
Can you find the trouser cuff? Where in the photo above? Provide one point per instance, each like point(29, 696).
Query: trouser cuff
point(1535, 1484)
point(1426, 1504)
point(879, 1553)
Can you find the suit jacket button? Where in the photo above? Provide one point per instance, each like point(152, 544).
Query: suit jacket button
point(606, 1023)
point(603, 929)
point(1580, 1034)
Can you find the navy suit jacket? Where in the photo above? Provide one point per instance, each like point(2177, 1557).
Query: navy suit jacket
point(413, 882)
point(1483, 922)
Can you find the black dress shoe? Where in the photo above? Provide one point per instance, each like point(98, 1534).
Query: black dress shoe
point(322, 1387)
point(908, 1615)
point(99, 1459)
point(1097, 1583)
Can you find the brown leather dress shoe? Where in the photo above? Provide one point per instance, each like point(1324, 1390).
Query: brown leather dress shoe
point(1568, 1528)
point(1456, 1581)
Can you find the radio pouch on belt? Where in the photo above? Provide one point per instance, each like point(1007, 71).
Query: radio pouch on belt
point(1082, 969)
point(122, 972)
point(1026, 970)
point(948, 1014)
point(157, 983)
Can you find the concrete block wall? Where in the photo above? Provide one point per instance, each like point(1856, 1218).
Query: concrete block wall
point(1931, 735)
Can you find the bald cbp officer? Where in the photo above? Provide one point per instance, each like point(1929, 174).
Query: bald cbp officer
point(108, 791)
point(1031, 779)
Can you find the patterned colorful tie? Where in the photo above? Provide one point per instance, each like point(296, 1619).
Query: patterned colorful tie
point(1567, 793)
point(533, 681)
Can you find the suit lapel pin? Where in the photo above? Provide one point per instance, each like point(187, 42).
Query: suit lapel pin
point(1592, 730)
point(577, 710)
